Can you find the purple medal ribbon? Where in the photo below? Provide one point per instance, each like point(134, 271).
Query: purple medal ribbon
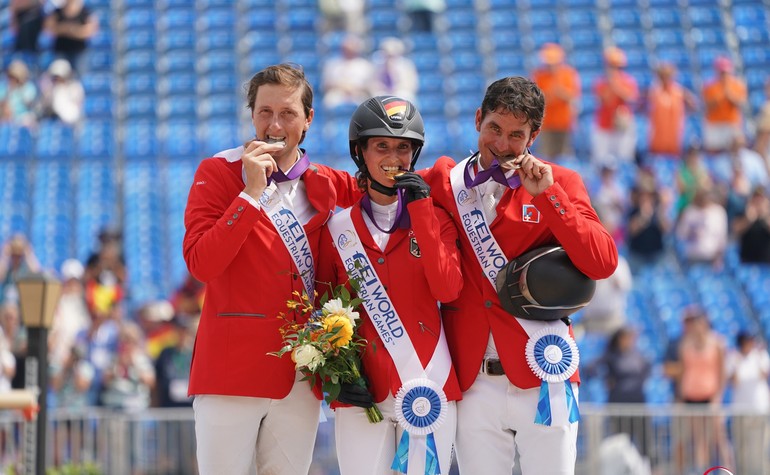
point(296, 171)
point(402, 218)
point(495, 172)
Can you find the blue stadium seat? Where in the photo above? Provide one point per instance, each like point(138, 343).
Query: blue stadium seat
point(303, 41)
point(668, 37)
point(218, 134)
point(218, 83)
point(182, 106)
point(753, 35)
point(177, 39)
point(55, 141)
point(750, 15)
point(216, 18)
point(430, 82)
point(666, 16)
point(139, 61)
point(216, 62)
point(97, 60)
point(629, 38)
point(176, 18)
point(140, 17)
point(509, 62)
point(705, 16)
point(141, 106)
point(472, 83)
point(98, 106)
point(461, 19)
point(264, 22)
point(139, 83)
point(384, 19)
point(139, 140)
point(15, 141)
point(540, 37)
point(543, 19)
point(98, 82)
point(462, 40)
point(142, 38)
point(581, 18)
point(626, 18)
point(180, 139)
point(178, 83)
point(177, 61)
point(221, 105)
point(467, 61)
point(95, 140)
point(431, 104)
point(708, 37)
point(755, 56)
point(259, 41)
point(257, 60)
point(298, 19)
point(217, 40)
point(586, 40)
point(426, 61)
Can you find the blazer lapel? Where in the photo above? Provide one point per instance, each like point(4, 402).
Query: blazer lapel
point(320, 195)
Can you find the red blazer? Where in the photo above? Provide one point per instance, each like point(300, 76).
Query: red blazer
point(236, 251)
point(470, 317)
point(414, 284)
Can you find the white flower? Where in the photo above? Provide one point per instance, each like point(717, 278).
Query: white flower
point(307, 356)
point(335, 307)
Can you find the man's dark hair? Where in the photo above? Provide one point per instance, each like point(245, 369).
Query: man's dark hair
point(517, 95)
point(285, 74)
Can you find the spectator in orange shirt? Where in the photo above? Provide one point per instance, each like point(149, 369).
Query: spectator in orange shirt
point(667, 104)
point(560, 84)
point(614, 134)
point(724, 98)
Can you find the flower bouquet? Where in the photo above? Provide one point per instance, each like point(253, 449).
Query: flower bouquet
point(327, 344)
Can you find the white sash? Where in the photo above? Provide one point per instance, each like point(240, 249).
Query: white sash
point(421, 404)
point(292, 233)
point(492, 260)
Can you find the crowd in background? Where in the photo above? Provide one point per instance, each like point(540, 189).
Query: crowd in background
point(101, 353)
point(27, 94)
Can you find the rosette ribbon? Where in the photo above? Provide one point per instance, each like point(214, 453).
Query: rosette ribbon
point(554, 358)
point(421, 407)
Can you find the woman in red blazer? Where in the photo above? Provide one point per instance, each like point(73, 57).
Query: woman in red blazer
point(253, 223)
point(403, 251)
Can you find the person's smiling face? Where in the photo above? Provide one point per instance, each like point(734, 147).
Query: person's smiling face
point(503, 136)
point(278, 115)
point(387, 156)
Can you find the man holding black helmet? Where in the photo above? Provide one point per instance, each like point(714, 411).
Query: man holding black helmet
point(518, 375)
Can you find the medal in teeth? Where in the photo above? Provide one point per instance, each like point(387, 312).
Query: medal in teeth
point(393, 172)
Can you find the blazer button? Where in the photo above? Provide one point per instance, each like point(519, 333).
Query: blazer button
point(556, 205)
point(235, 215)
point(240, 208)
point(552, 197)
point(562, 211)
point(381, 260)
point(488, 303)
point(229, 222)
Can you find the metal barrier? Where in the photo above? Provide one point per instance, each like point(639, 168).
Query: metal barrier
point(671, 439)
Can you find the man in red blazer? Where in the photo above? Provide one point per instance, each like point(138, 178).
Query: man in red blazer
point(506, 202)
point(253, 223)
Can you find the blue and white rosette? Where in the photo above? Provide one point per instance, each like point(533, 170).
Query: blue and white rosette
point(421, 408)
point(553, 357)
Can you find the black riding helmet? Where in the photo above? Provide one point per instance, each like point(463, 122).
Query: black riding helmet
point(386, 116)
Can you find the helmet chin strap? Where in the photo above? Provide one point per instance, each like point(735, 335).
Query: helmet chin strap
point(385, 190)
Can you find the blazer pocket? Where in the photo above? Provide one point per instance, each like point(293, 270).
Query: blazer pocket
point(241, 314)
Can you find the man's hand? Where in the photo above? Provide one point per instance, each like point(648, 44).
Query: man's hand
point(355, 395)
point(535, 175)
point(258, 163)
point(413, 185)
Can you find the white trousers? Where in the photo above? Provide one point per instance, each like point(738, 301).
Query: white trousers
point(364, 448)
point(495, 419)
point(247, 435)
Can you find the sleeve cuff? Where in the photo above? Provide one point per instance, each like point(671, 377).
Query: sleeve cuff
point(251, 200)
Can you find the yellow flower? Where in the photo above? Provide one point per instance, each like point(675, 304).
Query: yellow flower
point(344, 330)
